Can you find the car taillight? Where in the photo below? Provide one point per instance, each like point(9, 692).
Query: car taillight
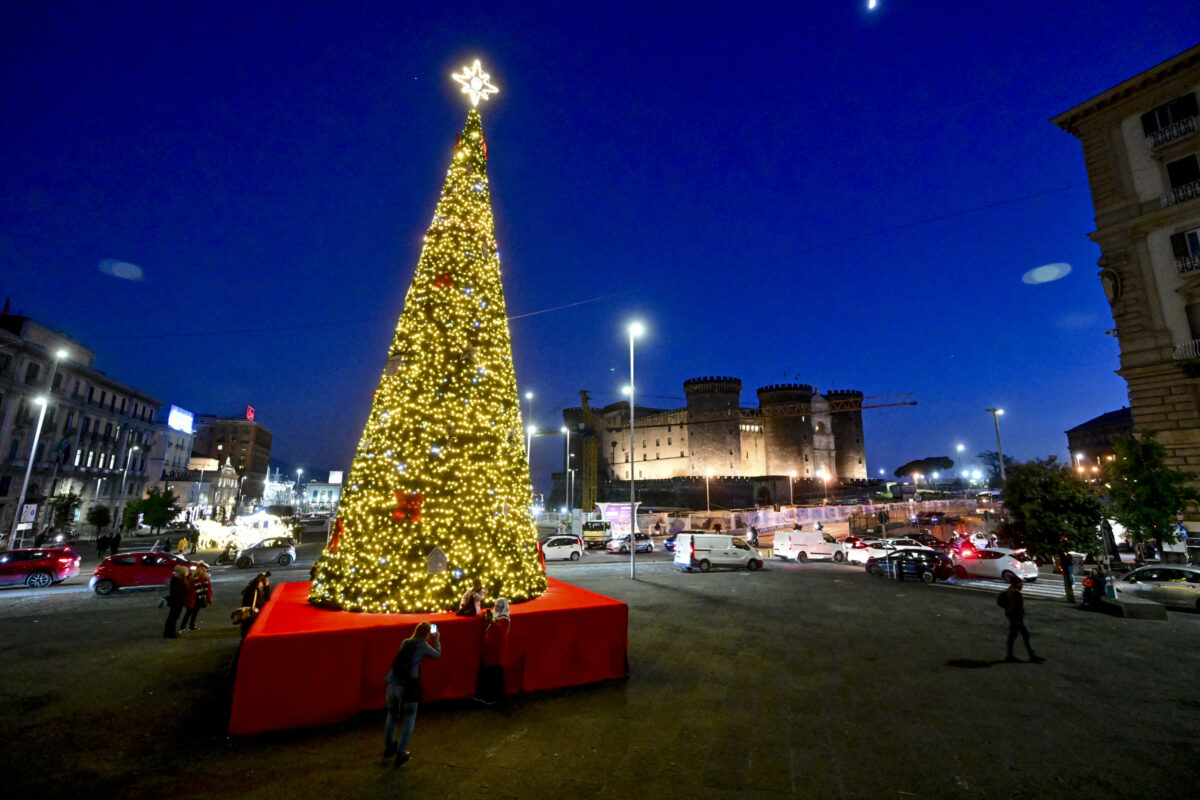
point(858, 546)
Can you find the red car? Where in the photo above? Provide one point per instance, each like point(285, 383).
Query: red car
point(135, 569)
point(38, 567)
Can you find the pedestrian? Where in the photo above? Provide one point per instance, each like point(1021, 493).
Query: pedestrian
point(1013, 603)
point(193, 538)
point(404, 689)
point(254, 597)
point(41, 538)
point(1067, 564)
point(200, 594)
point(114, 543)
point(472, 600)
point(177, 595)
point(102, 545)
point(183, 543)
point(490, 686)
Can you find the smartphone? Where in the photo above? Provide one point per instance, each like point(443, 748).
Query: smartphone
point(433, 629)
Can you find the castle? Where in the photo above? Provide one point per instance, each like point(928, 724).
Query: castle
point(795, 433)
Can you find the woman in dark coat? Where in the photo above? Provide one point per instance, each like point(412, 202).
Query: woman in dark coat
point(177, 597)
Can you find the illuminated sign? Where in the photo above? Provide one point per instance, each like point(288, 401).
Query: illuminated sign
point(250, 413)
point(335, 477)
point(180, 420)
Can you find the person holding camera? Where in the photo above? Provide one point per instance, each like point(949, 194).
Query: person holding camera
point(404, 688)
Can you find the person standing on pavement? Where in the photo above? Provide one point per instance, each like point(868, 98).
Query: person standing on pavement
point(200, 590)
point(1067, 563)
point(177, 596)
point(102, 545)
point(1013, 603)
point(114, 543)
point(490, 684)
point(404, 689)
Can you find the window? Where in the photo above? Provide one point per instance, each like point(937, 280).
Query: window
point(57, 382)
point(91, 457)
point(91, 393)
point(103, 396)
point(108, 431)
point(668, 441)
point(78, 455)
point(1168, 114)
point(70, 419)
point(31, 372)
point(1179, 173)
point(112, 460)
point(656, 442)
point(1186, 247)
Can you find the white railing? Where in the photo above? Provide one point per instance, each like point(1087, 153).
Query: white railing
point(1187, 351)
point(1187, 264)
point(1189, 191)
point(1176, 130)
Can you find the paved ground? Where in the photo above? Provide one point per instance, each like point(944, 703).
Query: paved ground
point(815, 681)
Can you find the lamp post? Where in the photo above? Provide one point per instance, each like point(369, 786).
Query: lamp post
point(60, 354)
point(825, 482)
point(996, 412)
point(792, 488)
point(530, 430)
point(567, 464)
point(707, 503)
point(299, 496)
point(635, 330)
point(124, 475)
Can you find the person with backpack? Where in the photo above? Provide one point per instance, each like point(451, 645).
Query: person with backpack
point(404, 689)
point(1013, 603)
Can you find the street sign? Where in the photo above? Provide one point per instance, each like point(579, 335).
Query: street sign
point(29, 512)
point(1179, 517)
point(24, 526)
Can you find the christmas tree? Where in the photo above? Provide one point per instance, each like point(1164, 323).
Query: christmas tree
point(439, 491)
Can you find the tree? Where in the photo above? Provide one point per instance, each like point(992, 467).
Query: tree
point(63, 508)
point(1145, 492)
point(991, 461)
point(1050, 511)
point(439, 492)
point(159, 507)
point(925, 466)
point(129, 517)
point(100, 517)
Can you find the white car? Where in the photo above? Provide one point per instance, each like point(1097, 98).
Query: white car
point(1171, 585)
point(878, 548)
point(996, 562)
point(858, 551)
point(562, 547)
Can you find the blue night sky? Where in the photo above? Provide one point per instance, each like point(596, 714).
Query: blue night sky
point(776, 194)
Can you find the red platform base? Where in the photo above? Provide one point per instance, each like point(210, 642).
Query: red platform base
point(303, 666)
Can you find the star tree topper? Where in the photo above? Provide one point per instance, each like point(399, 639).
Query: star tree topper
point(476, 83)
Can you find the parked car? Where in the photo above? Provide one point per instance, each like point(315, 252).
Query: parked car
point(996, 562)
point(563, 547)
point(275, 550)
point(858, 550)
point(925, 565)
point(703, 551)
point(38, 567)
point(1176, 585)
point(621, 544)
point(669, 543)
point(129, 570)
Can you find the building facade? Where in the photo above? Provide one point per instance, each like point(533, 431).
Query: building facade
point(1091, 443)
point(795, 434)
point(1142, 153)
point(96, 435)
point(241, 440)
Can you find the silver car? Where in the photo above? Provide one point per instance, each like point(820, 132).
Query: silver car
point(276, 550)
point(1174, 585)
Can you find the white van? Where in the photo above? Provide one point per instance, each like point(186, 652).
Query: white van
point(703, 551)
point(803, 545)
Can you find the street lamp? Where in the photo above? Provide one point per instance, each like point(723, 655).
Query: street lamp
point(707, 504)
point(825, 481)
point(636, 329)
point(41, 401)
point(996, 412)
point(124, 475)
point(567, 463)
point(792, 488)
point(299, 496)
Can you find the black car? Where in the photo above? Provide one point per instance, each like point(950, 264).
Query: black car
point(922, 565)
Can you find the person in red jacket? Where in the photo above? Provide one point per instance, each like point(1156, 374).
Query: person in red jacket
point(490, 686)
point(199, 596)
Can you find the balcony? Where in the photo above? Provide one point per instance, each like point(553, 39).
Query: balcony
point(1187, 264)
point(1174, 131)
point(1188, 191)
point(1188, 351)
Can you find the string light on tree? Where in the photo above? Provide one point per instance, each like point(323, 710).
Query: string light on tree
point(439, 492)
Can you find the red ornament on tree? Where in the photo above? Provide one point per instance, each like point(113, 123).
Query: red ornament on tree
point(444, 281)
point(408, 505)
point(337, 535)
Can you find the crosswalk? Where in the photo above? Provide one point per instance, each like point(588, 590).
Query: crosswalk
point(1047, 587)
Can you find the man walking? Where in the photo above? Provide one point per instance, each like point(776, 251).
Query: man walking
point(404, 689)
point(177, 595)
point(1013, 603)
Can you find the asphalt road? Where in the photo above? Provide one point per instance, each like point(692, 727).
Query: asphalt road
point(809, 680)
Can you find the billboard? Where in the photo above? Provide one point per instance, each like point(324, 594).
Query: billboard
point(250, 413)
point(206, 464)
point(335, 477)
point(180, 420)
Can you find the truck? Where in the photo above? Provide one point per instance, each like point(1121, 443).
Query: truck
point(596, 533)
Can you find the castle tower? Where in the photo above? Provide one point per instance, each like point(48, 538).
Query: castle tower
point(824, 449)
point(787, 428)
point(846, 413)
point(713, 409)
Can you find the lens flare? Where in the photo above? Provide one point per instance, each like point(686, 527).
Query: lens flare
point(121, 269)
point(1046, 273)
